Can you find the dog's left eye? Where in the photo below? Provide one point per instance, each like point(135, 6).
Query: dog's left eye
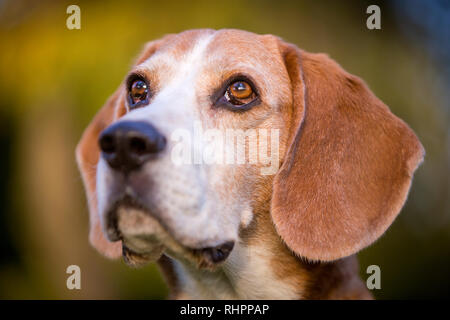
point(138, 93)
point(239, 93)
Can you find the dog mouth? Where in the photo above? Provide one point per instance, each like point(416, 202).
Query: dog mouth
point(207, 258)
point(145, 238)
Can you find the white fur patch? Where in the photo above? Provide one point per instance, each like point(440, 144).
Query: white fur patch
point(246, 274)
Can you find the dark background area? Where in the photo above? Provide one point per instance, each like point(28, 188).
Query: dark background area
point(53, 80)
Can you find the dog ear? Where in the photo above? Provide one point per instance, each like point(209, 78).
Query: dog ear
point(88, 153)
point(348, 166)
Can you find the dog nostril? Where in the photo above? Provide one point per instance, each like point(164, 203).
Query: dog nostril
point(107, 144)
point(138, 145)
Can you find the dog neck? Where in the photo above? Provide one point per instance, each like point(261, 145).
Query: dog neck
point(262, 267)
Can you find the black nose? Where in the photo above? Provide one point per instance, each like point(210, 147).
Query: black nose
point(127, 145)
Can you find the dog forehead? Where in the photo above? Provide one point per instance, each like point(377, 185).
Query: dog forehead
point(223, 48)
point(179, 46)
point(237, 45)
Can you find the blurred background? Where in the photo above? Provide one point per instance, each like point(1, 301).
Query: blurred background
point(53, 80)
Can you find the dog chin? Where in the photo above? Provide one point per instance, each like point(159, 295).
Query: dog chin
point(141, 235)
point(144, 240)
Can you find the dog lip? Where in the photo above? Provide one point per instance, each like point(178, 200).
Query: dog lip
point(136, 259)
point(113, 234)
point(112, 230)
point(218, 253)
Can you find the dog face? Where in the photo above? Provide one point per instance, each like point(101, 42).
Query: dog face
point(189, 206)
point(208, 121)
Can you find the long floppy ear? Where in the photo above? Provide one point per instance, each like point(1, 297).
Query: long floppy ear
point(88, 153)
point(348, 166)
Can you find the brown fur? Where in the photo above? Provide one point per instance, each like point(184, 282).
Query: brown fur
point(349, 165)
point(87, 154)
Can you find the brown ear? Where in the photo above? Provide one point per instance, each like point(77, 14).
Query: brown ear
point(348, 166)
point(88, 153)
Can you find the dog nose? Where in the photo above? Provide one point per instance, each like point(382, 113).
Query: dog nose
point(127, 145)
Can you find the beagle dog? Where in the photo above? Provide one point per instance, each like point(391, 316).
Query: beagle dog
point(230, 230)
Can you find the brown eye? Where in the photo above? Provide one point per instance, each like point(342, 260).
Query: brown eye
point(239, 92)
point(138, 92)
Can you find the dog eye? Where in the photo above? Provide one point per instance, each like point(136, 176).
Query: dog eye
point(239, 93)
point(138, 93)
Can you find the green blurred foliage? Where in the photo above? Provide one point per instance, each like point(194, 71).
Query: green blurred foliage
point(53, 80)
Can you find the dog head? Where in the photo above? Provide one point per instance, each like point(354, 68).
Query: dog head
point(207, 121)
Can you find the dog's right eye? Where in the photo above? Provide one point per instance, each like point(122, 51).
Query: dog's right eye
point(138, 93)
